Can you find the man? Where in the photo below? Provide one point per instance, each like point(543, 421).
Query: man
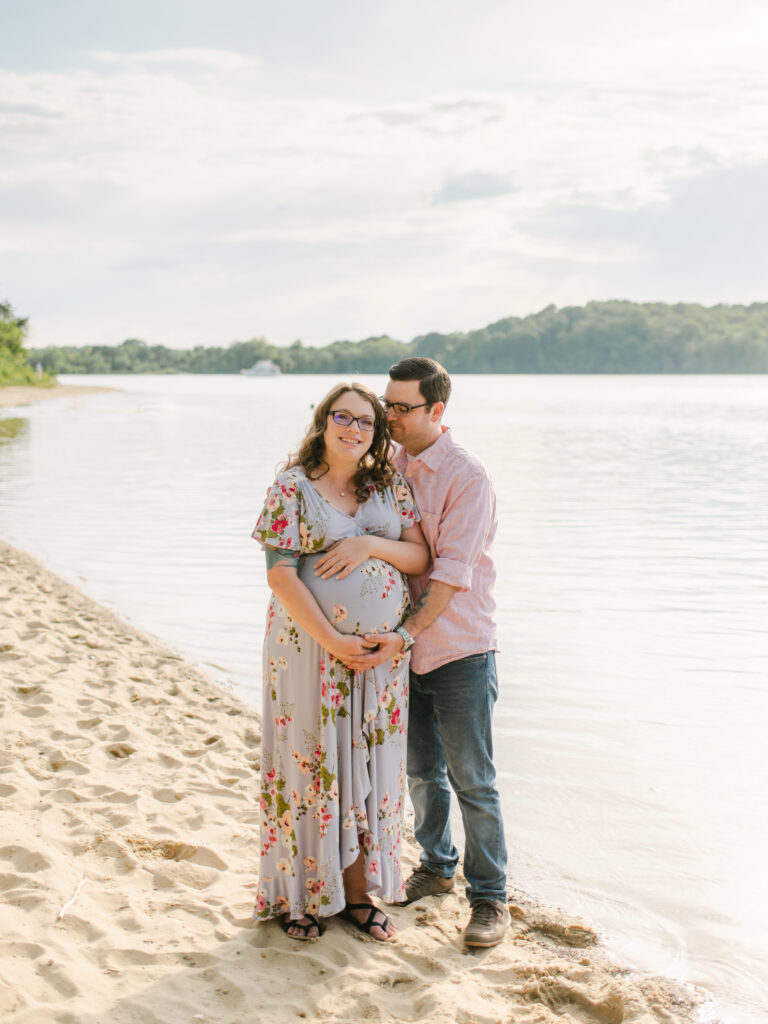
point(453, 670)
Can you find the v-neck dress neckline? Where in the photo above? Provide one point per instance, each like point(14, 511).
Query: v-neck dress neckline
point(319, 493)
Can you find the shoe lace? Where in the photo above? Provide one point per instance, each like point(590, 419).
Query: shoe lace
point(484, 913)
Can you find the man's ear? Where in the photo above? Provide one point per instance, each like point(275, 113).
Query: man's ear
point(436, 412)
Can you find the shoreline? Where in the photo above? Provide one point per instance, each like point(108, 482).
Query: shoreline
point(129, 785)
point(27, 394)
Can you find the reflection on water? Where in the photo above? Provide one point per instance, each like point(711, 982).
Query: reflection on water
point(11, 427)
point(632, 555)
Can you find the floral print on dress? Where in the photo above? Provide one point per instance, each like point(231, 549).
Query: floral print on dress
point(334, 740)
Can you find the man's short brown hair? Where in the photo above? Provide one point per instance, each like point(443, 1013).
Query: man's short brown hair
point(434, 382)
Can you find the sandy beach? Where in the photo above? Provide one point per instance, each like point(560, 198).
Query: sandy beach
point(129, 853)
point(26, 394)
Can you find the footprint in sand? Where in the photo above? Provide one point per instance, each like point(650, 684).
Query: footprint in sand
point(27, 950)
point(55, 977)
point(26, 900)
point(563, 990)
point(167, 796)
point(84, 929)
point(36, 711)
point(120, 751)
point(400, 982)
point(61, 761)
point(10, 882)
point(233, 783)
point(562, 933)
point(114, 796)
point(65, 795)
point(30, 690)
point(170, 849)
point(24, 860)
point(122, 863)
point(89, 723)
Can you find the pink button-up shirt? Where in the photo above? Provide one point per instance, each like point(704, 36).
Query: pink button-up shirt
point(455, 497)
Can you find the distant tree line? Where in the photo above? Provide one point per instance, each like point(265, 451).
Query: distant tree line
point(601, 337)
point(134, 356)
point(15, 367)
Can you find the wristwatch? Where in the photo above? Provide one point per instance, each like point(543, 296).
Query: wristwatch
point(407, 638)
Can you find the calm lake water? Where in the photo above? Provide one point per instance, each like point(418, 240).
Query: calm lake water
point(632, 604)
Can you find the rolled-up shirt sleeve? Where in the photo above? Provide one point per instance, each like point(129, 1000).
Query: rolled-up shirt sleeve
point(462, 533)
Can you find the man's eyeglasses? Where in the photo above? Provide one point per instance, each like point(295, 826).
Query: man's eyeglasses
point(400, 408)
point(345, 419)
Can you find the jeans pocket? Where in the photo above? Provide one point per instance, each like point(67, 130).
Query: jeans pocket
point(473, 659)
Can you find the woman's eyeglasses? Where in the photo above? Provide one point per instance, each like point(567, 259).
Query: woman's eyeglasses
point(345, 419)
point(400, 408)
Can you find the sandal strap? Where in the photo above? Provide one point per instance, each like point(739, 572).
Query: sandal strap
point(314, 922)
point(369, 921)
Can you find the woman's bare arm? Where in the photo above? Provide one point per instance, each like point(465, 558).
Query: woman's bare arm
point(410, 554)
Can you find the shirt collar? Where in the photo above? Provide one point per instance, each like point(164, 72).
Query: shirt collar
point(437, 451)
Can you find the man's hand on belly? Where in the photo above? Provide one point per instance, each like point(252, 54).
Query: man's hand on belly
point(390, 645)
point(349, 648)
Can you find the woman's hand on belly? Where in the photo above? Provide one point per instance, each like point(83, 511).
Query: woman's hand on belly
point(351, 650)
point(343, 557)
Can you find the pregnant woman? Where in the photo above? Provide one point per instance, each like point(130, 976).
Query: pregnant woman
point(339, 528)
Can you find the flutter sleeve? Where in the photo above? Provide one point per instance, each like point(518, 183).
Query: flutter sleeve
point(277, 529)
point(404, 503)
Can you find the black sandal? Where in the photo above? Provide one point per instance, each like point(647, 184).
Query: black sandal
point(365, 926)
point(314, 922)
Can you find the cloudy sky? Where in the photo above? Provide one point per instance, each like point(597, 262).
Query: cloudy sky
point(195, 172)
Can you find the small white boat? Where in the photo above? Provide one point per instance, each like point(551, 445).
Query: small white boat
point(263, 368)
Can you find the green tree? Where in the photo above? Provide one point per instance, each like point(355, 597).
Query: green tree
point(14, 367)
point(601, 337)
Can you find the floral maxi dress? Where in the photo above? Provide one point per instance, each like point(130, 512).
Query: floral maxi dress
point(334, 740)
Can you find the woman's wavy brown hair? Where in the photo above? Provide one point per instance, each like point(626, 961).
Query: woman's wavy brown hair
point(374, 467)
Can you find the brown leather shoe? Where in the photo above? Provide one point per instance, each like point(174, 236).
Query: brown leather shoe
point(488, 922)
point(424, 882)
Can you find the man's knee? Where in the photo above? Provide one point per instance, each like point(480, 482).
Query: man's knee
point(476, 791)
point(422, 770)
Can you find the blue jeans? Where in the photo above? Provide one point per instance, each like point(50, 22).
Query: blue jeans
point(449, 741)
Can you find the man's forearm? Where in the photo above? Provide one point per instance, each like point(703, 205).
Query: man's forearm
point(432, 603)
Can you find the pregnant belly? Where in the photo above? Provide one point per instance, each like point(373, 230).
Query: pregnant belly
point(371, 599)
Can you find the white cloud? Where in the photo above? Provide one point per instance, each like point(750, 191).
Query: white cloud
point(190, 177)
